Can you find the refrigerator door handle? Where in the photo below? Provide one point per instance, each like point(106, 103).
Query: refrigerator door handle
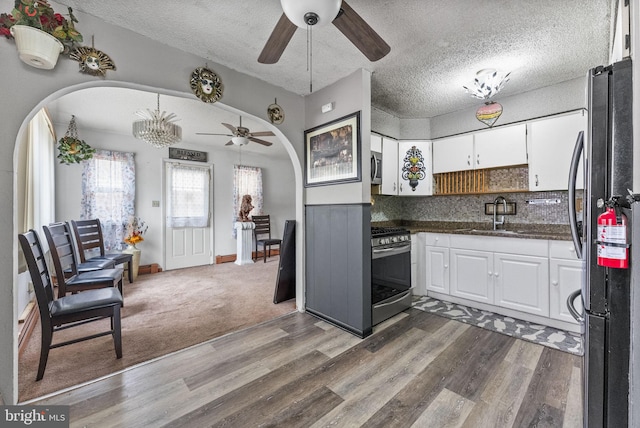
point(573, 172)
point(571, 307)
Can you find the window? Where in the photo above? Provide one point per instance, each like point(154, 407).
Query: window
point(247, 180)
point(188, 195)
point(109, 188)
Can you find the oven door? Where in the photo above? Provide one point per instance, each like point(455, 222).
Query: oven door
point(390, 281)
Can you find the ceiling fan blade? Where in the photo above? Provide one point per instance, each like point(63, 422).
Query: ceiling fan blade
point(230, 127)
point(360, 33)
point(230, 143)
point(262, 134)
point(208, 133)
point(278, 41)
point(259, 141)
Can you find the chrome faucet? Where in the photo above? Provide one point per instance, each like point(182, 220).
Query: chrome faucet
point(497, 222)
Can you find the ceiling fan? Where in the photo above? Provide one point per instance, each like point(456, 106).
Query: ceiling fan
point(241, 135)
point(304, 13)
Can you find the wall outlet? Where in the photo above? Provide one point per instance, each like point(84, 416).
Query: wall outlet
point(155, 204)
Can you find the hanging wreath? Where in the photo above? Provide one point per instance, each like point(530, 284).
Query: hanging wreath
point(71, 148)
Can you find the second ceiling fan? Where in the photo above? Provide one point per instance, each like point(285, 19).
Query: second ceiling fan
point(318, 13)
point(241, 135)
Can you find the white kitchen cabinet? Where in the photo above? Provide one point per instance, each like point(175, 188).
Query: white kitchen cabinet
point(389, 184)
point(437, 269)
point(565, 276)
point(497, 147)
point(521, 283)
point(415, 175)
point(376, 143)
point(435, 262)
point(472, 275)
point(551, 142)
point(414, 260)
point(453, 154)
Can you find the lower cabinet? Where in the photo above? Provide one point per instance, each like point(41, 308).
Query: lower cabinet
point(437, 269)
point(521, 283)
point(472, 275)
point(565, 277)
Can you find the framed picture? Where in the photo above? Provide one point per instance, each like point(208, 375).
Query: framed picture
point(332, 152)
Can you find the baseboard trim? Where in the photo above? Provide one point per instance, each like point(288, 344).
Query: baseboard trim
point(232, 257)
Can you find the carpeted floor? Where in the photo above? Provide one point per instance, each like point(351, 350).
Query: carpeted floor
point(163, 313)
point(543, 335)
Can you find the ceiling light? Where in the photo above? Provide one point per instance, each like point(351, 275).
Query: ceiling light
point(157, 128)
point(239, 141)
point(487, 83)
point(311, 12)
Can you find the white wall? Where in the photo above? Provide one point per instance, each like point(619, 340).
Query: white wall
point(277, 175)
point(141, 63)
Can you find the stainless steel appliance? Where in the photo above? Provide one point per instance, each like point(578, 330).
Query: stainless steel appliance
point(376, 168)
point(605, 292)
point(390, 272)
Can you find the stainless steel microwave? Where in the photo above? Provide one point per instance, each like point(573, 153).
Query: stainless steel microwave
point(376, 168)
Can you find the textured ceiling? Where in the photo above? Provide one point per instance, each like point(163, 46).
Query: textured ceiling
point(436, 46)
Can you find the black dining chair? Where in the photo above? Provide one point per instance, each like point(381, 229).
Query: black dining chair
point(262, 235)
point(66, 267)
point(89, 238)
point(68, 311)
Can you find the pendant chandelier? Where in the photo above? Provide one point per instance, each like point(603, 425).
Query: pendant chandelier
point(157, 128)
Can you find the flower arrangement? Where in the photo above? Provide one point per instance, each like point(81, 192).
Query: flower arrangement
point(135, 229)
point(39, 14)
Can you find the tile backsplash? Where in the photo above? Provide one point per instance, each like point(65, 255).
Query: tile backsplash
point(470, 208)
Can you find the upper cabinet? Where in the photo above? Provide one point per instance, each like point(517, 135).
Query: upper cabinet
point(504, 146)
point(376, 143)
point(453, 154)
point(551, 144)
point(389, 184)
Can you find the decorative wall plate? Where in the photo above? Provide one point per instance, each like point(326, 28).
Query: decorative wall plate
point(489, 113)
point(206, 85)
point(92, 61)
point(275, 113)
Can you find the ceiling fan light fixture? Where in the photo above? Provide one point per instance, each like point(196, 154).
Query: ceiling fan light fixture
point(487, 83)
point(239, 141)
point(157, 128)
point(311, 12)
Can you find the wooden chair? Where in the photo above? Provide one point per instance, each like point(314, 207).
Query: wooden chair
point(68, 311)
point(66, 268)
point(89, 237)
point(263, 227)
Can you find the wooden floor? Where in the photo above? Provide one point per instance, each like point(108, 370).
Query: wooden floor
point(417, 369)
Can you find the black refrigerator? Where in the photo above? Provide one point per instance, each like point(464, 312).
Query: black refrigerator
point(605, 291)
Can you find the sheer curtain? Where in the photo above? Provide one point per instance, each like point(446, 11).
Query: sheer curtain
point(247, 180)
point(188, 195)
point(109, 192)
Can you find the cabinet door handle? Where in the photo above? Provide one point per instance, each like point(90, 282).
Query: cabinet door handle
point(446, 266)
point(537, 181)
point(496, 274)
point(490, 273)
point(554, 283)
point(400, 187)
point(394, 186)
point(469, 160)
point(478, 160)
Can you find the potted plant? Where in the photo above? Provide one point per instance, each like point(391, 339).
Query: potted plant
point(40, 33)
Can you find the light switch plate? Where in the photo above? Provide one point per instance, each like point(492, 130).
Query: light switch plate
point(155, 204)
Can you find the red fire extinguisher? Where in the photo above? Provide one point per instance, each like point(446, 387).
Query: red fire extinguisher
point(613, 250)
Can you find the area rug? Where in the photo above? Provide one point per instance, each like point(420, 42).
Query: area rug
point(536, 333)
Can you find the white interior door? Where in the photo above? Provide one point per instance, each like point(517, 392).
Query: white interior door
point(188, 200)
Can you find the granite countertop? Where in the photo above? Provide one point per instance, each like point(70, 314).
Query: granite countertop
point(559, 232)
